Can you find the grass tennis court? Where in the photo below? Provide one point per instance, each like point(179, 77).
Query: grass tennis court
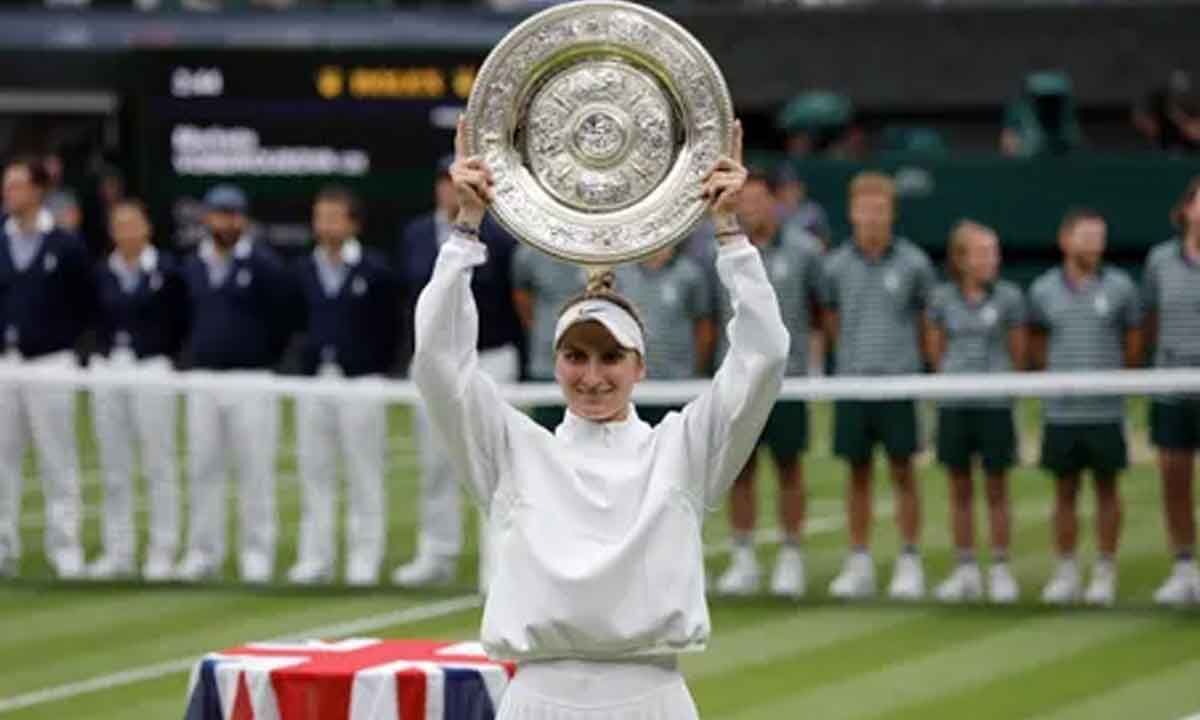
point(768, 659)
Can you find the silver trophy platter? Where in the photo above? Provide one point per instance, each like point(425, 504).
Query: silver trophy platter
point(598, 118)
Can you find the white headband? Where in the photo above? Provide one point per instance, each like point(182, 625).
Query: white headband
point(623, 327)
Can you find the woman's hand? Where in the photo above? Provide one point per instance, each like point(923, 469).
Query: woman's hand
point(722, 185)
point(473, 182)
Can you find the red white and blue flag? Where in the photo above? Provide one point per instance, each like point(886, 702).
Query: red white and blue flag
point(356, 679)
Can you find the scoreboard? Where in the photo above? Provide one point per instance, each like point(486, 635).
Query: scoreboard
point(281, 124)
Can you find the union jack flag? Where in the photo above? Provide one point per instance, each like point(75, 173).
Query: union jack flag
point(355, 679)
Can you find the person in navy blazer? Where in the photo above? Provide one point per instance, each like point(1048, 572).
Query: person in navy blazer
point(243, 302)
point(46, 297)
point(440, 537)
point(351, 301)
point(141, 322)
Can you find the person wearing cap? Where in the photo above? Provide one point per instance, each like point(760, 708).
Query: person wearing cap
point(351, 300)
point(45, 301)
point(440, 533)
point(599, 580)
point(242, 305)
point(142, 319)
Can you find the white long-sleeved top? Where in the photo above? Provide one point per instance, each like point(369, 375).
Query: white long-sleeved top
point(596, 527)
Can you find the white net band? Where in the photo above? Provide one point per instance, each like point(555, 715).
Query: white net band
point(990, 385)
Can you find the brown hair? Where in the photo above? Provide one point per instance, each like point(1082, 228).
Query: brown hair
point(956, 248)
point(134, 204)
point(870, 182)
point(343, 196)
point(1179, 211)
point(36, 168)
point(1076, 215)
point(601, 286)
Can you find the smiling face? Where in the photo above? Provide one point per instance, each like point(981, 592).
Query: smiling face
point(595, 373)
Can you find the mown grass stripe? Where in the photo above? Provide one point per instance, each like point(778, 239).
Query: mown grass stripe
point(789, 673)
point(1068, 679)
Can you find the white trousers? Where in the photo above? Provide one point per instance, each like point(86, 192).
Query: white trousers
point(440, 506)
point(357, 428)
point(242, 426)
point(46, 416)
point(586, 690)
point(124, 419)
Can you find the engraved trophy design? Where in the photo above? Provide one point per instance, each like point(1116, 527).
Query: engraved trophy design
point(598, 118)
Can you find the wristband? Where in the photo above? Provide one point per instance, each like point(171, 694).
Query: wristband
point(465, 229)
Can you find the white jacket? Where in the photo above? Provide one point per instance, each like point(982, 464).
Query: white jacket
point(596, 528)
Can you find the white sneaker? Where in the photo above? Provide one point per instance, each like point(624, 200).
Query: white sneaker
point(857, 578)
point(362, 574)
point(742, 576)
point(1102, 590)
point(965, 584)
point(787, 580)
point(68, 564)
point(158, 568)
point(426, 571)
point(109, 567)
point(1182, 587)
point(256, 569)
point(908, 578)
point(1002, 586)
point(197, 568)
point(307, 572)
point(1064, 586)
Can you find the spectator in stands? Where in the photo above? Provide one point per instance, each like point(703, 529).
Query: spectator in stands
point(1042, 120)
point(142, 308)
point(1169, 116)
point(976, 324)
point(351, 298)
point(243, 305)
point(439, 542)
point(875, 292)
point(793, 265)
point(672, 294)
point(1171, 293)
point(46, 296)
point(819, 122)
point(1084, 316)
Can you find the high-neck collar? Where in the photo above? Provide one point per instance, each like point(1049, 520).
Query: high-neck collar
point(574, 427)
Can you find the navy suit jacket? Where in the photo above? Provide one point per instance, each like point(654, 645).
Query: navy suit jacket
point(491, 283)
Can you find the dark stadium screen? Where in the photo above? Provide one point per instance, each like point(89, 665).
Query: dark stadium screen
point(283, 124)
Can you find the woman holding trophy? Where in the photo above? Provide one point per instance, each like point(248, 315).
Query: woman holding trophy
point(599, 577)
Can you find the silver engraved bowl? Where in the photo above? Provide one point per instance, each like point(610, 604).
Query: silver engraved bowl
point(598, 119)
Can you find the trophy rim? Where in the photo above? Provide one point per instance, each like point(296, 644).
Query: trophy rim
point(675, 180)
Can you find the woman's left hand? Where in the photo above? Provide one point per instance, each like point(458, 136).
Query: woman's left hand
point(722, 185)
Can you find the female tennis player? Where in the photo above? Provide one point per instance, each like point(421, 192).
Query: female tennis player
point(599, 576)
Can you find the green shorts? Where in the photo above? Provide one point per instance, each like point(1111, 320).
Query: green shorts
point(654, 414)
point(1098, 447)
point(548, 416)
point(963, 432)
point(786, 431)
point(1175, 425)
point(859, 424)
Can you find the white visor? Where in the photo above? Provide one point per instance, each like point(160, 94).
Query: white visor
point(613, 317)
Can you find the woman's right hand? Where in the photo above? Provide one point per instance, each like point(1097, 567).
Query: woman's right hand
point(473, 182)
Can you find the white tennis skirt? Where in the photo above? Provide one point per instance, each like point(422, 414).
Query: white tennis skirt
point(590, 690)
